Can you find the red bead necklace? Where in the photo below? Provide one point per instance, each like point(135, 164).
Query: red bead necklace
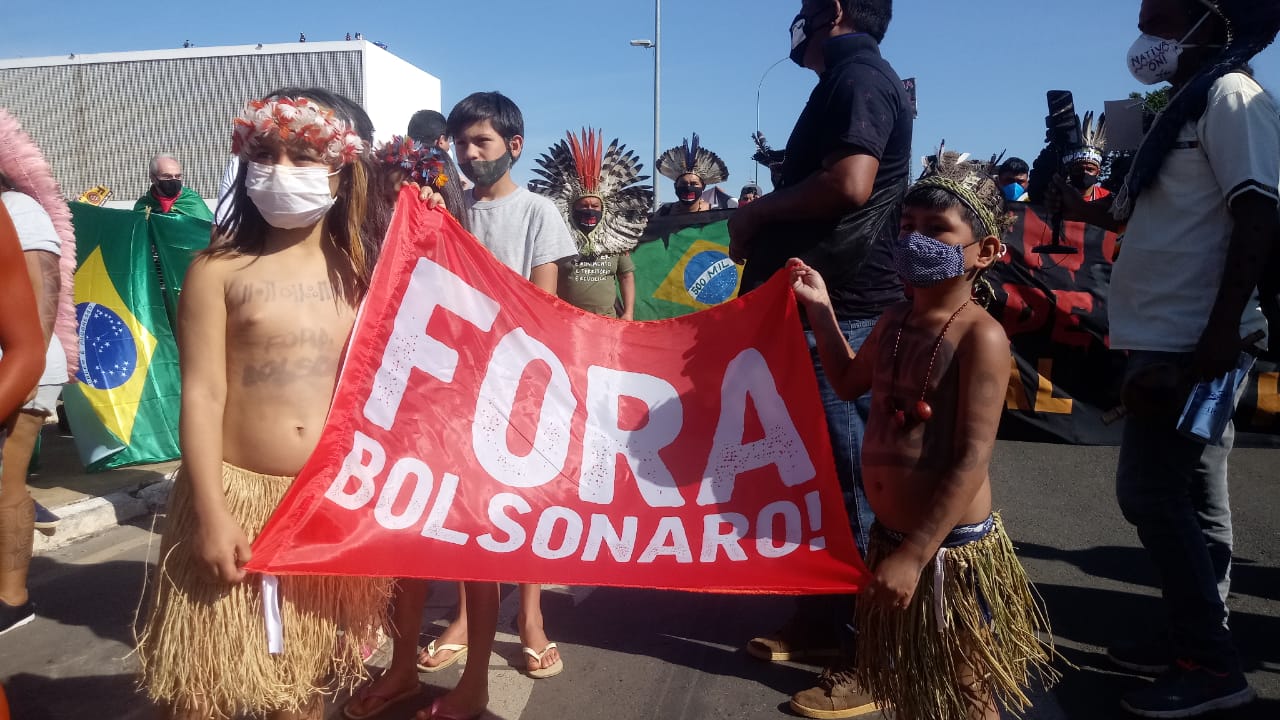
point(922, 411)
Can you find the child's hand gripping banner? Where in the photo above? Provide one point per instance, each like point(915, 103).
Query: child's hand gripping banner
point(484, 430)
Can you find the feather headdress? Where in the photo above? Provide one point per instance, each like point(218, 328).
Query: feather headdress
point(580, 166)
point(1251, 26)
point(1093, 138)
point(766, 155)
point(693, 159)
point(27, 170)
point(971, 184)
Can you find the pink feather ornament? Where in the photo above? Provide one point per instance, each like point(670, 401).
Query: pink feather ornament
point(22, 162)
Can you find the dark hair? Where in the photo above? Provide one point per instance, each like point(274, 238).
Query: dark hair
point(358, 220)
point(869, 16)
point(495, 107)
point(1015, 165)
point(938, 199)
point(426, 126)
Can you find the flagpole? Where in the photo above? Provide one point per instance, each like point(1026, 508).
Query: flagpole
point(657, 97)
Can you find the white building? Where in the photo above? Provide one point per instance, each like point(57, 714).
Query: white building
point(99, 118)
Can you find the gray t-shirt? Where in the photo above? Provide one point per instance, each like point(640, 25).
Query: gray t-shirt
point(523, 230)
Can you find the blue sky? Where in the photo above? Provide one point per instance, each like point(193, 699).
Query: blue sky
point(983, 66)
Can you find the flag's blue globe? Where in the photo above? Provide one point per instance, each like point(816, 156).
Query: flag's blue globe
point(711, 277)
point(108, 353)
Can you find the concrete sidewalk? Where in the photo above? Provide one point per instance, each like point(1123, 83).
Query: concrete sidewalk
point(90, 504)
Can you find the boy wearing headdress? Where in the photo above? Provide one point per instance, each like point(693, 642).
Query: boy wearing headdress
point(947, 629)
point(595, 191)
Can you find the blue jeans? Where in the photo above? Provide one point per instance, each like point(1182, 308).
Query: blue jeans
point(846, 422)
point(1174, 492)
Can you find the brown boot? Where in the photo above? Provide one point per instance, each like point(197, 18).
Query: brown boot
point(836, 695)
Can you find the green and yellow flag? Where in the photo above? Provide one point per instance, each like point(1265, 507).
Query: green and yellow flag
point(684, 269)
point(123, 407)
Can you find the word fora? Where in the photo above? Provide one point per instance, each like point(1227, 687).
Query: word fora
point(401, 490)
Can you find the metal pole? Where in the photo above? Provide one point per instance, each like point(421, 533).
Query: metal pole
point(758, 89)
point(657, 97)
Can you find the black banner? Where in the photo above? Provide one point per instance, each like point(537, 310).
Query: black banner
point(1065, 377)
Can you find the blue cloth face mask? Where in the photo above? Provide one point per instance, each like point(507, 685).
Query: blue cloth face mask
point(1013, 192)
point(923, 261)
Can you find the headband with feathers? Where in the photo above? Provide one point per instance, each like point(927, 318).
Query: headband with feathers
point(1093, 141)
point(1252, 25)
point(580, 166)
point(766, 155)
point(970, 183)
point(693, 159)
point(27, 170)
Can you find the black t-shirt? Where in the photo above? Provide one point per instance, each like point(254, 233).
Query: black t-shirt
point(859, 107)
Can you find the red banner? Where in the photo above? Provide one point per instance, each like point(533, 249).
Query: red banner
point(484, 430)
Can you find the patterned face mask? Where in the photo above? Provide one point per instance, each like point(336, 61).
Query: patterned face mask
point(923, 261)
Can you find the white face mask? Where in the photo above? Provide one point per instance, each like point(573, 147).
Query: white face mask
point(289, 197)
point(1153, 60)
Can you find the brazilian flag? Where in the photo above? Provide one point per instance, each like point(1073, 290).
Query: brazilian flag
point(684, 268)
point(176, 239)
point(124, 406)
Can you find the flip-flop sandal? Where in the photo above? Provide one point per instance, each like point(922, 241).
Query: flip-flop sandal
point(388, 701)
point(542, 673)
point(459, 652)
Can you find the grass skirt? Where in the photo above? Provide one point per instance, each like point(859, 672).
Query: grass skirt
point(991, 619)
point(204, 646)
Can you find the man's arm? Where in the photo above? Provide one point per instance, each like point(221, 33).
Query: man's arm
point(46, 280)
point(1067, 200)
point(546, 277)
point(1253, 239)
point(844, 184)
point(627, 285)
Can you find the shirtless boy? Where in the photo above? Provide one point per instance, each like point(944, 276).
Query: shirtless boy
point(937, 367)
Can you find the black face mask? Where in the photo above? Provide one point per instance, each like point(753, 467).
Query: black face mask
point(802, 30)
point(1083, 181)
point(688, 194)
point(587, 220)
point(168, 188)
point(487, 172)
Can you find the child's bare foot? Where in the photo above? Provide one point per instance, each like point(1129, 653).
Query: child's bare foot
point(455, 634)
point(544, 656)
point(387, 689)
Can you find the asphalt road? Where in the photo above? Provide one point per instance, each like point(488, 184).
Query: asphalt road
point(638, 655)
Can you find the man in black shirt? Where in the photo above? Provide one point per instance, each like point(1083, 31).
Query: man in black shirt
point(837, 208)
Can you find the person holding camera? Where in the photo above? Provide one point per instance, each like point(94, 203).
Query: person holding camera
point(1201, 207)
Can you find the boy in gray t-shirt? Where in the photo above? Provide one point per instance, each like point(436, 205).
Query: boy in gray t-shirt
point(522, 229)
point(526, 233)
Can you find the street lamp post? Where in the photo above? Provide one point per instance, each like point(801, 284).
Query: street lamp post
point(656, 45)
point(759, 88)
